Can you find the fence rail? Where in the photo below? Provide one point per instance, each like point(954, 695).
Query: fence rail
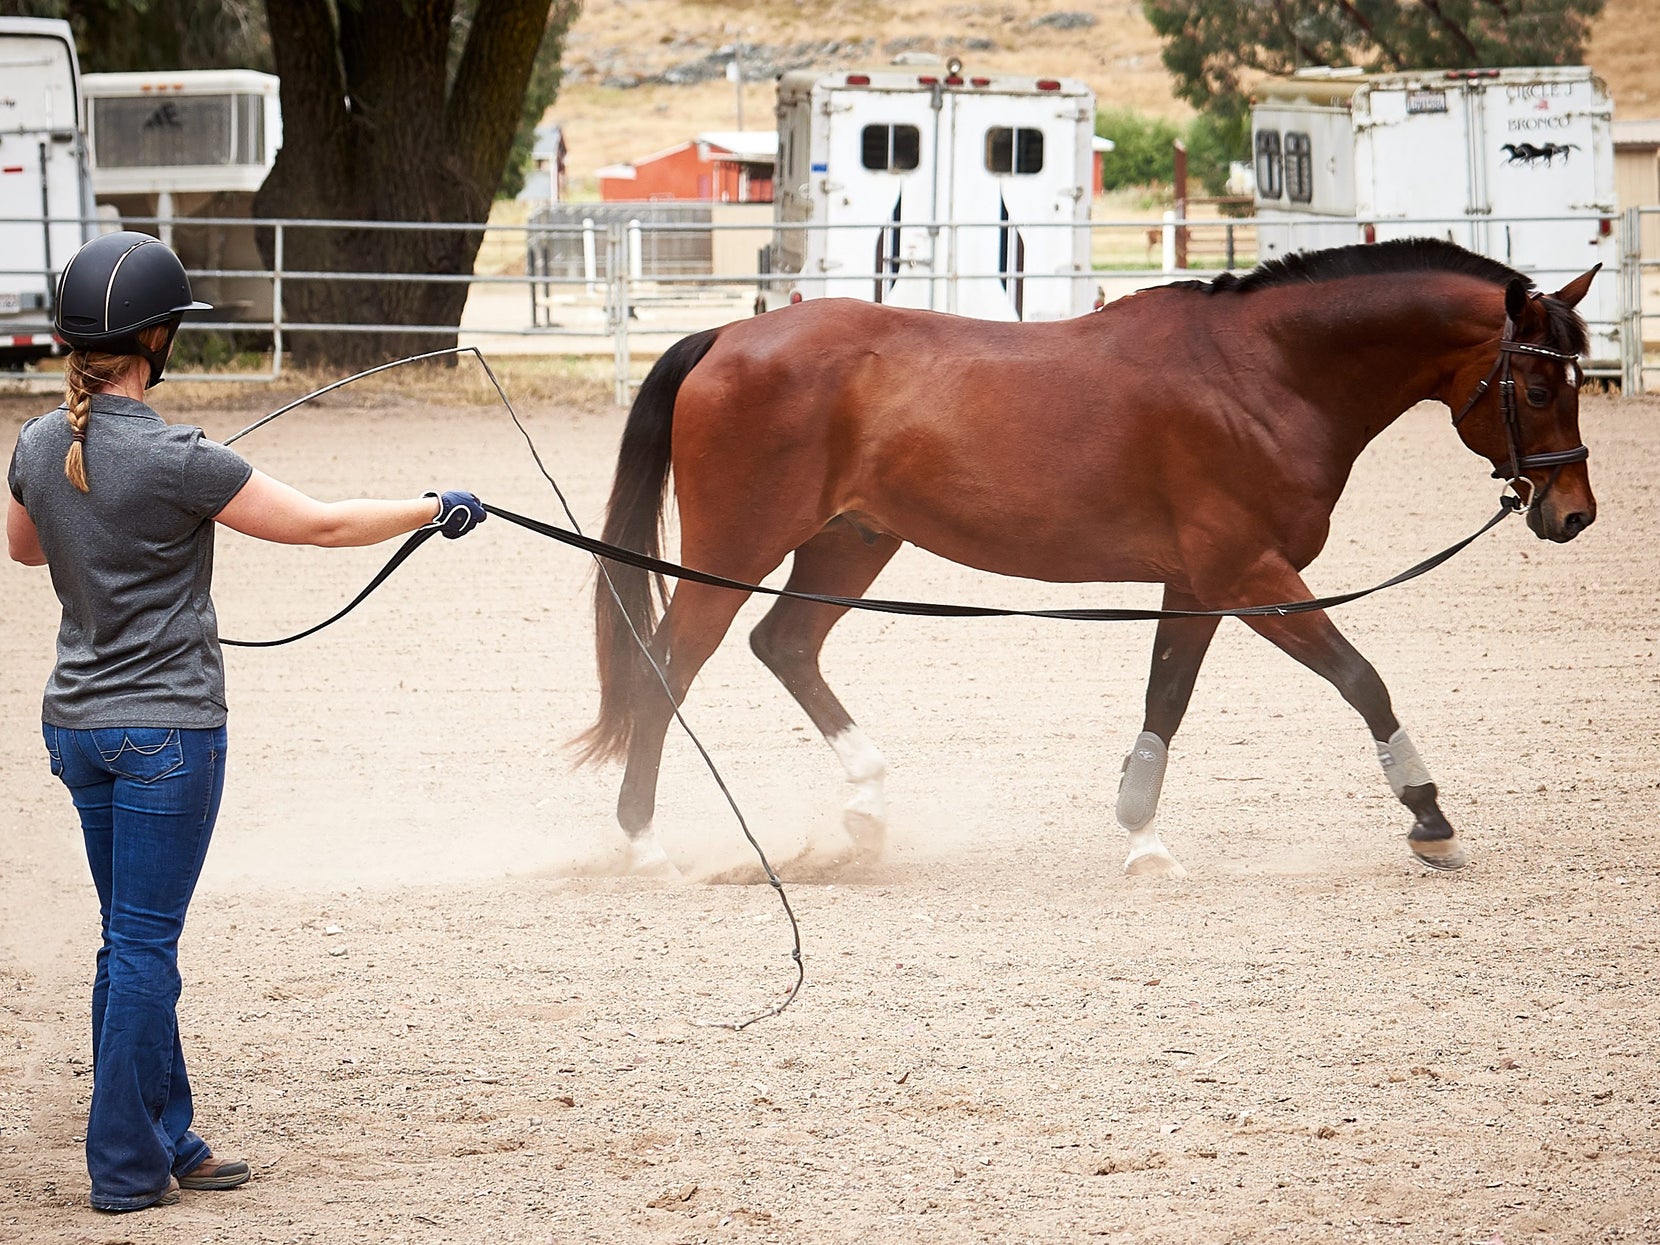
point(631, 278)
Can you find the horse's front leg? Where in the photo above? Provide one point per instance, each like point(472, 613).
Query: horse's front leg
point(1179, 648)
point(1314, 641)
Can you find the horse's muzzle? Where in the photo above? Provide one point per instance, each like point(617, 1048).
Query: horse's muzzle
point(1559, 523)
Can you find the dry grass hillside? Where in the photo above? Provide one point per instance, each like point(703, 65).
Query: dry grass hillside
point(615, 106)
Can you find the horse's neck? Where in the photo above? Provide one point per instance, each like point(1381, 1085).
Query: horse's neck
point(1368, 363)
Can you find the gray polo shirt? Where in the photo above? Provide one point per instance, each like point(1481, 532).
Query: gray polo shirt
point(132, 562)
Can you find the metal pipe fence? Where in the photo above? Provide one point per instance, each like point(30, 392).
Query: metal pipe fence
point(627, 281)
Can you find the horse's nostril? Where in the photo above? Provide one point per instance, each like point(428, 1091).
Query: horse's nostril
point(1576, 523)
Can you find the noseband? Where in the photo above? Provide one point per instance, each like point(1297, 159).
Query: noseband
point(1521, 463)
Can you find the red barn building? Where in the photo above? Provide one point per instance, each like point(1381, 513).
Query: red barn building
point(720, 166)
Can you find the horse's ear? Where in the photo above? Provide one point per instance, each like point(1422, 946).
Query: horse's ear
point(1515, 299)
point(1576, 289)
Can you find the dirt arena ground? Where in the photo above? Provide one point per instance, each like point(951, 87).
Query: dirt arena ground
point(415, 1003)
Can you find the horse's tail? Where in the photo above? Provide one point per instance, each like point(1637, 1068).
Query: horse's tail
point(634, 520)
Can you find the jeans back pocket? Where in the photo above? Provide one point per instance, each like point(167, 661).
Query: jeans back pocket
point(54, 748)
point(141, 753)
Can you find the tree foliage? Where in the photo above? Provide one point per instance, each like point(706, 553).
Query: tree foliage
point(117, 35)
point(1212, 47)
point(545, 77)
point(393, 110)
point(1143, 151)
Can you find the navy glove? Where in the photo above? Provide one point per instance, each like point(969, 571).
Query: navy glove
point(459, 512)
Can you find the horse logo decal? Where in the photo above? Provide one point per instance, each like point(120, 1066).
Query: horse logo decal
point(1532, 154)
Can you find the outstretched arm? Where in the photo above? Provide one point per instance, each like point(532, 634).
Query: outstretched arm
point(271, 510)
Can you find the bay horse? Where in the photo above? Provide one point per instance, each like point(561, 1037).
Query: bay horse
point(1195, 435)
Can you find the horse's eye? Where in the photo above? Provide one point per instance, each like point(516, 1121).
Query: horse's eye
point(1537, 396)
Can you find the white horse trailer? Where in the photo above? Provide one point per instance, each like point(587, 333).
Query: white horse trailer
point(925, 188)
point(171, 145)
point(46, 204)
point(1517, 164)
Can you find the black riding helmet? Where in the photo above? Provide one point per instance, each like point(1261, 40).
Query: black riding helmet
point(116, 285)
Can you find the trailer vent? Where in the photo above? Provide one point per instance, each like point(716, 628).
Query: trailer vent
point(177, 130)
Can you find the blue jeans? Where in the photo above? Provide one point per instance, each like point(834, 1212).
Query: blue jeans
point(148, 798)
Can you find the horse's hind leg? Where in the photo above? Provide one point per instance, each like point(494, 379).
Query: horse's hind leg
point(692, 627)
point(1179, 648)
point(842, 560)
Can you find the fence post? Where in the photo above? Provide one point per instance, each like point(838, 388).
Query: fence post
point(276, 304)
point(535, 260)
point(1169, 248)
point(589, 265)
point(1631, 298)
point(636, 257)
point(617, 297)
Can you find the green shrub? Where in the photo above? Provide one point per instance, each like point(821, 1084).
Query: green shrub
point(1143, 154)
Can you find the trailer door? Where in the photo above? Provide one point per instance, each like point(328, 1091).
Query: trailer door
point(1550, 154)
point(43, 176)
point(1018, 190)
point(882, 195)
point(1414, 163)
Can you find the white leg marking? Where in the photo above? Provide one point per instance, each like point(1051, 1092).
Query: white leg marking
point(865, 770)
point(646, 857)
point(1150, 858)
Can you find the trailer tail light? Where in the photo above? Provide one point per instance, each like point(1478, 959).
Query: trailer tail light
point(953, 80)
point(979, 81)
point(1472, 73)
point(1605, 227)
point(928, 79)
point(858, 79)
point(1370, 234)
point(1048, 84)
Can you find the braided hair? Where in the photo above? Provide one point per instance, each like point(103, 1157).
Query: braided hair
point(85, 373)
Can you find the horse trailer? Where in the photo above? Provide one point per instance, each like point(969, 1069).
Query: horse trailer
point(922, 187)
point(167, 146)
point(46, 206)
point(1517, 164)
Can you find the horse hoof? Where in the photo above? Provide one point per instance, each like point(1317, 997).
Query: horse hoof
point(1445, 854)
point(1154, 863)
point(645, 858)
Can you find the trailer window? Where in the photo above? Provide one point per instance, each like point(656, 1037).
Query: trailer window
point(1014, 150)
point(1299, 167)
point(890, 148)
point(146, 131)
point(1268, 164)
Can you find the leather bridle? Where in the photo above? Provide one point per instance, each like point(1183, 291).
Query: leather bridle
point(1521, 463)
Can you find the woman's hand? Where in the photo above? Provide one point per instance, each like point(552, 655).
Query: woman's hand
point(459, 512)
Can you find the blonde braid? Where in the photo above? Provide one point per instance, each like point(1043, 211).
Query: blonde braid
point(85, 373)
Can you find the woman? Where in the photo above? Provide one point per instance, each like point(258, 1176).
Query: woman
point(121, 507)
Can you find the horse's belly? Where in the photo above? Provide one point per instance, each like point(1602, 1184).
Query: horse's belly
point(1047, 547)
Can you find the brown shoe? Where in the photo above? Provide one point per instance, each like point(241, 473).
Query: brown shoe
point(212, 1173)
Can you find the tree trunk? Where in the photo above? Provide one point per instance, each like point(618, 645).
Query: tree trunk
point(376, 127)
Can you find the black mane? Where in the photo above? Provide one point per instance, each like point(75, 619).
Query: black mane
point(1397, 255)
